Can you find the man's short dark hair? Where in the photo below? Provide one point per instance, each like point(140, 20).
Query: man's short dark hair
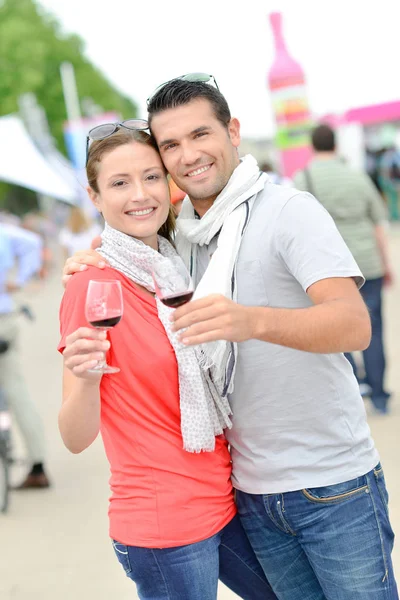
point(323, 139)
point(179, 92)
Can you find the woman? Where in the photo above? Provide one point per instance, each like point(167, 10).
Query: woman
point(172, 513)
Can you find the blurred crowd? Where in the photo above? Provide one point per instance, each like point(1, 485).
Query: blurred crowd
point(383, 166)
point(29, 252)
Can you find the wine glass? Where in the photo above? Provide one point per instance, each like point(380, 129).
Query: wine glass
point(103, 309)
point(172, 281)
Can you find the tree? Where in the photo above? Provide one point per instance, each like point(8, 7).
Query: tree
point(32, 47)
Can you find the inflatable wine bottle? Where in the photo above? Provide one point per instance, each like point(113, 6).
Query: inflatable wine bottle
point(289, 101)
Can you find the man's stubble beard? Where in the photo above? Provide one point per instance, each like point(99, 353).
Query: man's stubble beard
point(208, 192)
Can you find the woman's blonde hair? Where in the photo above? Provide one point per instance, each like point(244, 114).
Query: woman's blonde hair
point(77, 220)
point(99, 148)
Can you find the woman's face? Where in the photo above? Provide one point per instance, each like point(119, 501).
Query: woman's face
point(133, 191)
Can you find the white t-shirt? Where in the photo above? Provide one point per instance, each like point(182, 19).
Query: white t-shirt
point(298, 418)
point(74, 242)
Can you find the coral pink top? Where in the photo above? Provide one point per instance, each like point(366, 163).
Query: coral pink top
point(161, 496)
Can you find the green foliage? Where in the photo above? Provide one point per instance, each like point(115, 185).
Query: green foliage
point(17, 200)
point(32, 47)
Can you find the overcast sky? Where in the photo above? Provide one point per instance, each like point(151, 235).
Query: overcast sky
point(349, 51)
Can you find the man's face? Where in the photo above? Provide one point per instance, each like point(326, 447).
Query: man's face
point(197, 150)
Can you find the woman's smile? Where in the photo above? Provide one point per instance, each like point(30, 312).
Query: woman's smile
point(142, 213)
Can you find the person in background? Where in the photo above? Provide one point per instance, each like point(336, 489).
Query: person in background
point(372, 159)
point(274, 176)
point(78, 231)
point(359, 213)
point(389, 179)
point(24, 248)
point(40, 225)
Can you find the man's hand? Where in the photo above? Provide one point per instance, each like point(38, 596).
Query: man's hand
point(214, 318)
point(337, 321)
point(82, 259)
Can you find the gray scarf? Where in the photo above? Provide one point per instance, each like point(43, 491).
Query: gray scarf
point(204, 414)
point(230, 215)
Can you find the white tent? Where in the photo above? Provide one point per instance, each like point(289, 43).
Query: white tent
point(22, 164)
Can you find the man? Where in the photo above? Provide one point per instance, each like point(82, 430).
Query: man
point(310, 491)
point(25, 248)
point(358, 211)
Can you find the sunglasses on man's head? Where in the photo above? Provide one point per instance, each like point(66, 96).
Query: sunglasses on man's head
point(192, 77)
point(101, 132)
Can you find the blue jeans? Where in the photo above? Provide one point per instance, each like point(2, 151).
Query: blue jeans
point(374, 355)
point(327, 543)
point(191, 572)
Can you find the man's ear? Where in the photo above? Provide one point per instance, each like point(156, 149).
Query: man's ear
point(234, 132)
point(94, 197)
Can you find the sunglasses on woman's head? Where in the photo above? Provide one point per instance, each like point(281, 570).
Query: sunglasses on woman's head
point(101, 132)
point(192, 77)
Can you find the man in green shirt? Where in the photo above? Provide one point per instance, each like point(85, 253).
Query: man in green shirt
point(359, 213)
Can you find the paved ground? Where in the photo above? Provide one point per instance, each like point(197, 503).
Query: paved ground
point(54, 544)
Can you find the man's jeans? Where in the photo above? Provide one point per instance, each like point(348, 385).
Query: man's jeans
point(191, 572)
point(328, 543)
point(374, 355)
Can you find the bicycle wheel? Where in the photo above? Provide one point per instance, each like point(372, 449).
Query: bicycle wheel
point(4, 481)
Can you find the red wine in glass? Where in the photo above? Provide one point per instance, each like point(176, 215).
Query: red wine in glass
point(172, 281)
point(104, 308)
point(106, 323)
point(176, 300)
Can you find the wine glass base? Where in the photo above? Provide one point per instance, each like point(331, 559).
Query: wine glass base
point(104, 369)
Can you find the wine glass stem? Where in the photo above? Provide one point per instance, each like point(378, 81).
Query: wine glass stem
point(102, 362)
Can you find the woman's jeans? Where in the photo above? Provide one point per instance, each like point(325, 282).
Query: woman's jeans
point(191, 572)
point(327, 543)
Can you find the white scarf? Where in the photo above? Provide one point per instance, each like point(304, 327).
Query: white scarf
point(229, 214)
point(204, 414)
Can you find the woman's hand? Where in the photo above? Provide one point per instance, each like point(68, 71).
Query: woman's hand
point(83, 350)
point(82, 259)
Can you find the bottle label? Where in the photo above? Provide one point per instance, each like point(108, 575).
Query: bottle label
point(292, 115)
